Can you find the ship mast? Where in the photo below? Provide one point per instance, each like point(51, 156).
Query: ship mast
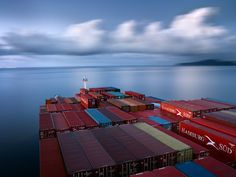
point(85, 80)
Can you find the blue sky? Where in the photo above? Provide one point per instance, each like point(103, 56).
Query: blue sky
point(110, 32)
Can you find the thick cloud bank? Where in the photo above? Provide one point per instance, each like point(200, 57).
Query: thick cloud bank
point(188, 34)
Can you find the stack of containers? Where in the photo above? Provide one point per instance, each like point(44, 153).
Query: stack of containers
point(73, 120)
point(222, 118)
point(89, 122)
point(125, 160)
point(135, 95)
point(216, 126)
point(164, 155)
point(50, 123)
point(51, 162)
point(114, 118)
point(162, 122)
point(59, 122)
point(194, 108)
point(182, 109)
point(104, 89)
point(149, 106)
point(168, 171)
point(141, 106)
point(83, 154)
point(221, 105)
point(73, 154)
point(88, 102)
point(117, 95)
point(198, 150)
point(83, 91)
point(108, 95)
point(184, 152)
point(98, 117)
point(216, 167)
point(133, 106)
point(51, 108)
point(191, 169)
point(46, 126)
point(63, 107)
point(221, 146)
point(97, 96)
point(154, 100)
point(51, 101)
point(126, 117)
point(119, 104)
point(145, 157)
point(104, 104)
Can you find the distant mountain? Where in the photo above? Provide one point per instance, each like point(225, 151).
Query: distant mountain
point(209, 62)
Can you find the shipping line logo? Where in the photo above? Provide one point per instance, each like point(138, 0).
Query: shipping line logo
point(179, 113)
point(220, 147)
point(209, 142)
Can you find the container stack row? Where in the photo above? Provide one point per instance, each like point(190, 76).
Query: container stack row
point(52, 122)
point(214, 131)
point(207, 167)
point(194, 108)
point(131, 104)
point(114, 151)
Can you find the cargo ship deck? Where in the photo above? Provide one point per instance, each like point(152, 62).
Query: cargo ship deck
point(104, 132)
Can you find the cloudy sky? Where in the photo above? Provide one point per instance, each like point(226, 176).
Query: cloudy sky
point(49, 33)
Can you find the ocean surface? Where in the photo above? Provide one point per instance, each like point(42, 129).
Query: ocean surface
point(22, 91)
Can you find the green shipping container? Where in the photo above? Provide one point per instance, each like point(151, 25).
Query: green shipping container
point(184, 152)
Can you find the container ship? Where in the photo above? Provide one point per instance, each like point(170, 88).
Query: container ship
point(103, 132)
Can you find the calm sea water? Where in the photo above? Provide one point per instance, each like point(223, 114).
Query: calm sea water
point(22, 91)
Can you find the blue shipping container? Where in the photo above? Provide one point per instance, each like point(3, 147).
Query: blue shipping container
point(98, 117)
point(192, 169)
point(164, 123)
point(156, 98)
point(157, 105)
point(118, 94)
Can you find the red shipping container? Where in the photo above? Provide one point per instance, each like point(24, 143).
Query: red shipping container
point(59, 122)
point(59, 107)
point(135, 95)
point(83, 91)
point(45, 122)
point(89, 123)
point(73, 120)
point(222, 118)
point(216, 126)
point(68, 101)
point(46, 126)
point(108, 95)
point(51, 108)
point(77, 107)
point(51, 162)
point(220, 105)
point(168, 171)
point(221, 146)
point(176, 110)
point(121, 114)
point(66, 107)
point(216, 167)
point(88, 102)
